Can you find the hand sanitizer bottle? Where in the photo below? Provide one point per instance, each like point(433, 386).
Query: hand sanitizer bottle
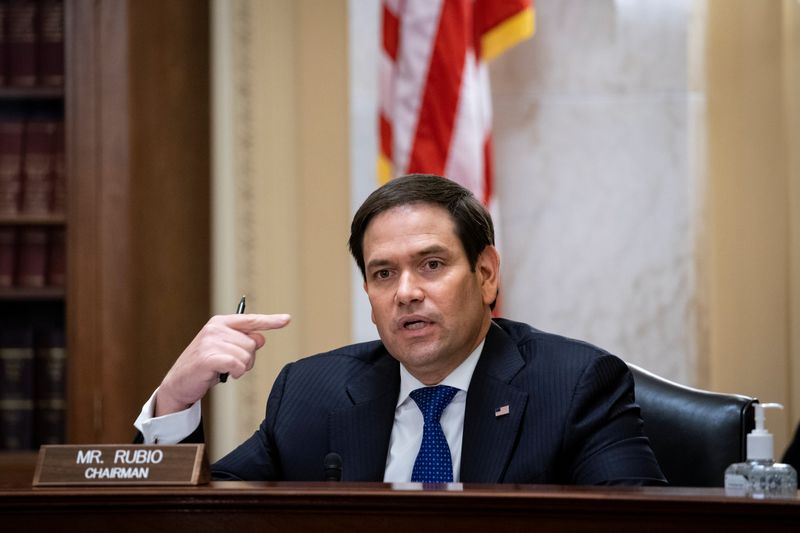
point(760, 477)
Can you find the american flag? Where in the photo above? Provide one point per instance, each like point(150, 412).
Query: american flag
point(435, 105)
point(501, 411)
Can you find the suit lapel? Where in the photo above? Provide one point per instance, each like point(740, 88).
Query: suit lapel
point(360, 432)
point(489, 439)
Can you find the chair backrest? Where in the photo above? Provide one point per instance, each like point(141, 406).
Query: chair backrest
point(694, 434)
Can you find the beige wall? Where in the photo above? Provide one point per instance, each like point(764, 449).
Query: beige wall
point(281, 195)
point(791, 100)
point(754, 308)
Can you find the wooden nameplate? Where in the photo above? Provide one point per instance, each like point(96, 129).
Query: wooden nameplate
point(121, 464)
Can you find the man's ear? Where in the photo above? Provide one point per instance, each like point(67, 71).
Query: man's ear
point(488, 269)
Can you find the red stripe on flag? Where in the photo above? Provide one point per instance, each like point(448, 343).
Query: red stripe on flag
point(442, 88)
point(488, 178)
point(386, 137)
point(391, 33)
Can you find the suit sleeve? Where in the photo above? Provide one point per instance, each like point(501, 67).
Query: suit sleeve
point(256, 459)
point(605, 437)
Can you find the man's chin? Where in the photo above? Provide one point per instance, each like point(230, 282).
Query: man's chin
point(418, 360)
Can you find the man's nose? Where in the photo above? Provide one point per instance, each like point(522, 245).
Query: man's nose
point(408, 289)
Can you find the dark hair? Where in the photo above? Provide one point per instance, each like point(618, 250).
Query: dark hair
point(473, 223)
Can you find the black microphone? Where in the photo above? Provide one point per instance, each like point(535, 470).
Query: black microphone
point(333, 467)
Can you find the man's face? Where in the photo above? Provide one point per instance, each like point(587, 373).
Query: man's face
point(431, 310)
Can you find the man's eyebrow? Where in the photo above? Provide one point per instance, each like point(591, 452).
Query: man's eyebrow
point(430, 250)
point(377, 263)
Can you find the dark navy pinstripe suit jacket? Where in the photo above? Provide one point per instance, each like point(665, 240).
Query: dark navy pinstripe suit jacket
point(572, 416)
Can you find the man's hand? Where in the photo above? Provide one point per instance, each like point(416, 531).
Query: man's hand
point(227, 343)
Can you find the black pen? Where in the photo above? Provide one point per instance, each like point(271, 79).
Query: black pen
point(223, 377)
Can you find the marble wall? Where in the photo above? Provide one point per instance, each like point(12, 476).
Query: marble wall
point(597, 177)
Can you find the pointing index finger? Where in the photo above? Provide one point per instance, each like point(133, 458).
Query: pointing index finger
point(256, 322)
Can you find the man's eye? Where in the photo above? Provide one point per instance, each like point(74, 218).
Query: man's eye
point(382, 274)
point(433, 264)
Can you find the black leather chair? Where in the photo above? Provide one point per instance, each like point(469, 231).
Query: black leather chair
point(695, 434)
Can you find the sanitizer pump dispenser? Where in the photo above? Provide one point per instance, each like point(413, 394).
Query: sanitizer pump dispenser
point(760, 476)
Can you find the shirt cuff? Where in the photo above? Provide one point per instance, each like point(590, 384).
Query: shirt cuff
point(167, 429)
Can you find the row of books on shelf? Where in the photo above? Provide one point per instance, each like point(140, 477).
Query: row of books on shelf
point(31, 43)
point(32, 256)
point(32, 179)
point(33, 363)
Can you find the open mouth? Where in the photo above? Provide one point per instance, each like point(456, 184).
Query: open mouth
point(414, 324)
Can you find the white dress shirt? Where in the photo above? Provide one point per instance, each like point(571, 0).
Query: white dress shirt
point(404, 442)
point(166, 429)
point(406, 436)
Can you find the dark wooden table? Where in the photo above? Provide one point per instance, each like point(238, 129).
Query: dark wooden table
point(376, 507)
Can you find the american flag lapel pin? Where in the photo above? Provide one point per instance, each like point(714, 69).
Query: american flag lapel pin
point(501, 411)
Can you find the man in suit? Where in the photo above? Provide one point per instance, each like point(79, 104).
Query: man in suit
point(447, 394)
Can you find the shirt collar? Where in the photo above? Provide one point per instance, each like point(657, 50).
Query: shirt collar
point(458, 378)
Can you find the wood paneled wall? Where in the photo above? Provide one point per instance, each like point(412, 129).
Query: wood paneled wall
point(137, 113)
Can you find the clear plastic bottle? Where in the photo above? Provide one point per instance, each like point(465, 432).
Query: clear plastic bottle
point(760, 476)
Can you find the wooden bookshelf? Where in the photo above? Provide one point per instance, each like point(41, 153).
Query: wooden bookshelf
point(31, 93)
point(136, 122)
point(32, 294)
point(32, 308)
point(23, 219)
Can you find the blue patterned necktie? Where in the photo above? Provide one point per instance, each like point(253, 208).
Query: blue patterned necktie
point(433, 464)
